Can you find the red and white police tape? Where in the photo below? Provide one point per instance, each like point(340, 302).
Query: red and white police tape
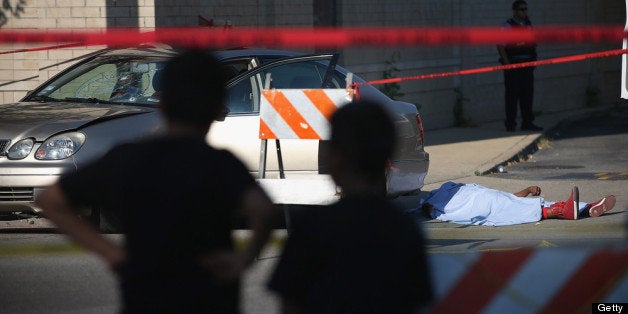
point(336, 38)
point(321, 37)
point(574, 58)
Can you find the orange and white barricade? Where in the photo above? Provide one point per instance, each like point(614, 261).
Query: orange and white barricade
point(299, 113)
point(544, 280)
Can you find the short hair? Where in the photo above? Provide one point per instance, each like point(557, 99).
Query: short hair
point(517, 3)
point(193, 88)
point(364, 133)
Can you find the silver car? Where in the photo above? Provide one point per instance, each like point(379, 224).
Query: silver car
point(111, 97)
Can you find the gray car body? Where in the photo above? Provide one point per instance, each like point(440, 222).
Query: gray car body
point(105, 125)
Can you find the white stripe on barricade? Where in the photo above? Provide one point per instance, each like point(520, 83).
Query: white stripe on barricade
point(544, 280)
point(299, 113)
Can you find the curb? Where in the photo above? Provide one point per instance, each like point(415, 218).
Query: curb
point(549, 134)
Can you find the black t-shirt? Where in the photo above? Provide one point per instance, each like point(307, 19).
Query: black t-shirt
point(177, 199)
point(356, 256)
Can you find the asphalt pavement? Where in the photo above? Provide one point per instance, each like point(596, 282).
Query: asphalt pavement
point(474, 155)
point(457, 154)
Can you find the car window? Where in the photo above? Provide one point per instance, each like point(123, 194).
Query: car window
point(243, 95)
point(240, 97)
point(108, 80)
point(305, 74)
point(236, 67)
point(98, 82)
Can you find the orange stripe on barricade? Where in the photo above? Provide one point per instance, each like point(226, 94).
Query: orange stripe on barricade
point(322, 36)
point(321, 101)
point(264, 131)
point(300, 113)
point(556, 280)
point(590, 283)
point(482, 282)
point(291, 116)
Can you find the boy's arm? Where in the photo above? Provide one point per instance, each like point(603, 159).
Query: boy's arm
point(260, 213)
point(56, 207)
point(534, 190)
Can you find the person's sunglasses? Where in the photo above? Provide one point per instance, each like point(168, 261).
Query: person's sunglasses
point(522, 9)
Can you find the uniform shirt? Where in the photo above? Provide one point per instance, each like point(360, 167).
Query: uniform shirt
point(520, 51)
point(176, 198)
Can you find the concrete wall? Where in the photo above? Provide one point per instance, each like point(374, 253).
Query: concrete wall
point(21, 72)
point(558, 87)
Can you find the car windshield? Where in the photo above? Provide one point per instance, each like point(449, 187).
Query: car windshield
point(130, 80)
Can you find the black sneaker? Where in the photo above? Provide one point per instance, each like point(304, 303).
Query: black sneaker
point(531, 127)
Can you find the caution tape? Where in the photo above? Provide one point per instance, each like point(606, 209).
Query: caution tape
point(574, 58)
point(40, 48)
point(336, 38)
point(321, 37)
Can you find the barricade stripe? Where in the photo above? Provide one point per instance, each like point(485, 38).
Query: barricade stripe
point(619, 292)
point(447, 268)
point(291, 116)
point(314, 117)
point(271, 117)
point(595, 278)
point(535, 283)
point(485, 278)
point(264, 131)
point(322, 102)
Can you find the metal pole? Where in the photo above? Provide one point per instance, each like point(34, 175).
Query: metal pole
point(279, 160)
point(262, 160)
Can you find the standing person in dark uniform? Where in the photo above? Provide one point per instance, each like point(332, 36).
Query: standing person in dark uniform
point(176, 197)
point(519, 83)
point(362, 254)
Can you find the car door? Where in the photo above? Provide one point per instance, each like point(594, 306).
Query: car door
point(239, 132)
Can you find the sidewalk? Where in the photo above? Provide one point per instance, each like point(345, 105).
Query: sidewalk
point(457, 153)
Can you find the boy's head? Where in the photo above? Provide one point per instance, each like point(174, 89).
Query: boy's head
point(193, 89)
point(362, 141)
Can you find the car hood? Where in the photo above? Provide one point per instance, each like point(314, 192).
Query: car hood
point(41, 120)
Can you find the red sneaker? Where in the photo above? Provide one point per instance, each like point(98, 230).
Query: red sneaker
point(564, 210)
point(600, 207)
point(571, 205)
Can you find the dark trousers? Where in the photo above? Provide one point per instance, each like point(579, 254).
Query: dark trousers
point(519, 85)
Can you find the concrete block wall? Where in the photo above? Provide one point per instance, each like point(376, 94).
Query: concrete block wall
point(558, 87)
point(23, 71)
point(239, 13)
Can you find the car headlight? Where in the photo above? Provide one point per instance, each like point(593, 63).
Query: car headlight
point(60, 146)
point(21, 149)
